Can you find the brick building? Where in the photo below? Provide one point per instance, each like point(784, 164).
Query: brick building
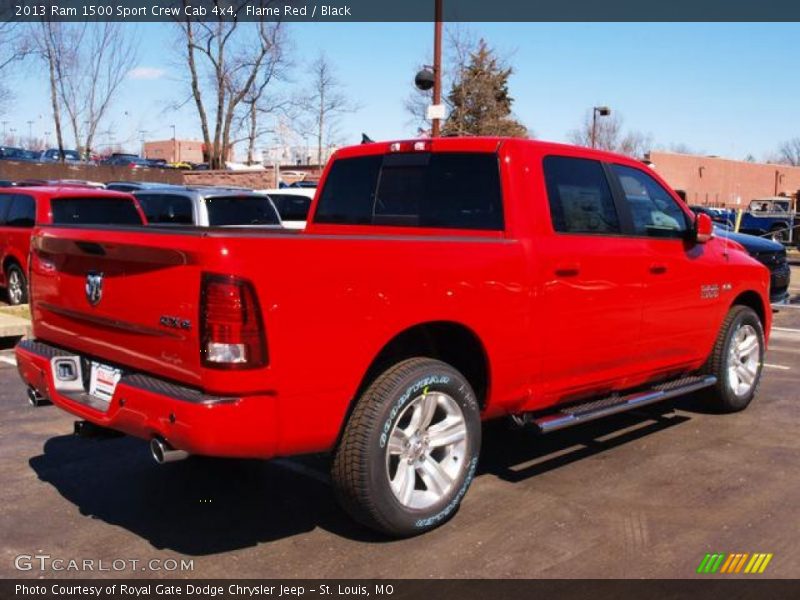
point(175, 150)
point(714, 181)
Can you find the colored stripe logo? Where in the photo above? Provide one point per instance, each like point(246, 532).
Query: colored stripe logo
point(741, 562)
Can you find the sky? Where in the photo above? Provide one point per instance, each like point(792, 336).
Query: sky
point(722, 89)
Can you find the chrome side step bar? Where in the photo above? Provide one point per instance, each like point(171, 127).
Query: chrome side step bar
point(597, 409)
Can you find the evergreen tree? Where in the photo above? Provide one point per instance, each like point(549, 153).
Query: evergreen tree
point(479, 100)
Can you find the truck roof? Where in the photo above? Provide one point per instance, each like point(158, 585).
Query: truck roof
point(473, 144)
point(69, 192)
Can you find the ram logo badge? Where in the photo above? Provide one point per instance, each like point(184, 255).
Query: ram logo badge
point(94, 287)
point(709, 292)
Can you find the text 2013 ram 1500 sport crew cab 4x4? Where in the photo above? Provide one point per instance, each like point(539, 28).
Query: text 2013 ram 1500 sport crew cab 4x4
point(438, 283)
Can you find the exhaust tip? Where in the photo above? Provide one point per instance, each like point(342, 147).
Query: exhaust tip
point(164, 453)
point(35, 398)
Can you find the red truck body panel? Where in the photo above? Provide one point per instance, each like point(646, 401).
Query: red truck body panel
point(558, 316)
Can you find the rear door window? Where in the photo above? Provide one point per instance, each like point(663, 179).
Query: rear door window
point(174, 209)
point(94, 211)
point(446, 190)
point(21, 212)
point(580, 197)
point(5, 204)
point(241, 210)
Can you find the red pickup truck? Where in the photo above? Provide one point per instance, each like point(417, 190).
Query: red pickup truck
point(438, 283)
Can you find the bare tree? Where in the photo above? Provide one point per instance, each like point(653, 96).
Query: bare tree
point(47, 39)
point(325, 104)
point(609, 136)
point(87, 65)
point(14, 46)
point(258, 103)
point(789, 152)
point(224, 60)
point(95, 62)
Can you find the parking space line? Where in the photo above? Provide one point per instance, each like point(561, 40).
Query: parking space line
point(9, 360)
point(786, 329)
point(779, 367)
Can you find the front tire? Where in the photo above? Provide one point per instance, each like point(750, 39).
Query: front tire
point(17, 285)
point(779, 234)
point(410, 449)
point(737, 360)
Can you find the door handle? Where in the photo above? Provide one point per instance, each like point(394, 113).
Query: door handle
point(658, 269)
point(568, 270)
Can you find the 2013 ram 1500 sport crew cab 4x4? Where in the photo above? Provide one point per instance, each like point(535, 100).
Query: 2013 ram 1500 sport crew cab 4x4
point(437, 283)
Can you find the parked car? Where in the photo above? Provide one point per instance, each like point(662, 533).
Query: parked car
point(207, 207)
point(437, 283)
point(132, 162)
point(21, 208)
point(717, 215)
point(135, 186)
point(18, 154)
point(8, 152)
point(304, 184)
point(61, 183)
point(6, 183)
point(293, 205)
point(158, 163)
point(52, 155)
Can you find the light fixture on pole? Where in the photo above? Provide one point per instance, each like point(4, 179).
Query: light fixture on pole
point(431, 76)
point(603, 111)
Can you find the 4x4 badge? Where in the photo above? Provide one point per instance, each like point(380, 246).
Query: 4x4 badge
point(94, 287)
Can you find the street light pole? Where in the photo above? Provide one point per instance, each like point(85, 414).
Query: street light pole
point(603, 111)
point(437, 65)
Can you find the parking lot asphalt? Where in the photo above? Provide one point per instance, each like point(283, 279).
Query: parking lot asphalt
point(644, 494)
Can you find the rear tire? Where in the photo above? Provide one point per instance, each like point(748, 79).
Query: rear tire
point(410, 449)
point(16, 285)
point(737, 360)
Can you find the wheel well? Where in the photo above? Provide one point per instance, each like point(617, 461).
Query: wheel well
point(449, 342)
point(753, 300)
point(10, 260)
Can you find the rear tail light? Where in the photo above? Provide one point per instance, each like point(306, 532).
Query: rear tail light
point(231, 330)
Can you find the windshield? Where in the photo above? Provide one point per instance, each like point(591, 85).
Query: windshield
point(241, 210)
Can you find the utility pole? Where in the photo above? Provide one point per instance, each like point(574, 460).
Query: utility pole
point(30, 132)
point(4, 132)
point(603, 111)
point(437, 66)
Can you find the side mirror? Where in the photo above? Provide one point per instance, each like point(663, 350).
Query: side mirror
point(703, 228)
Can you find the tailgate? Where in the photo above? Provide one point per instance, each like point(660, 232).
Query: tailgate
point(128, 297)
